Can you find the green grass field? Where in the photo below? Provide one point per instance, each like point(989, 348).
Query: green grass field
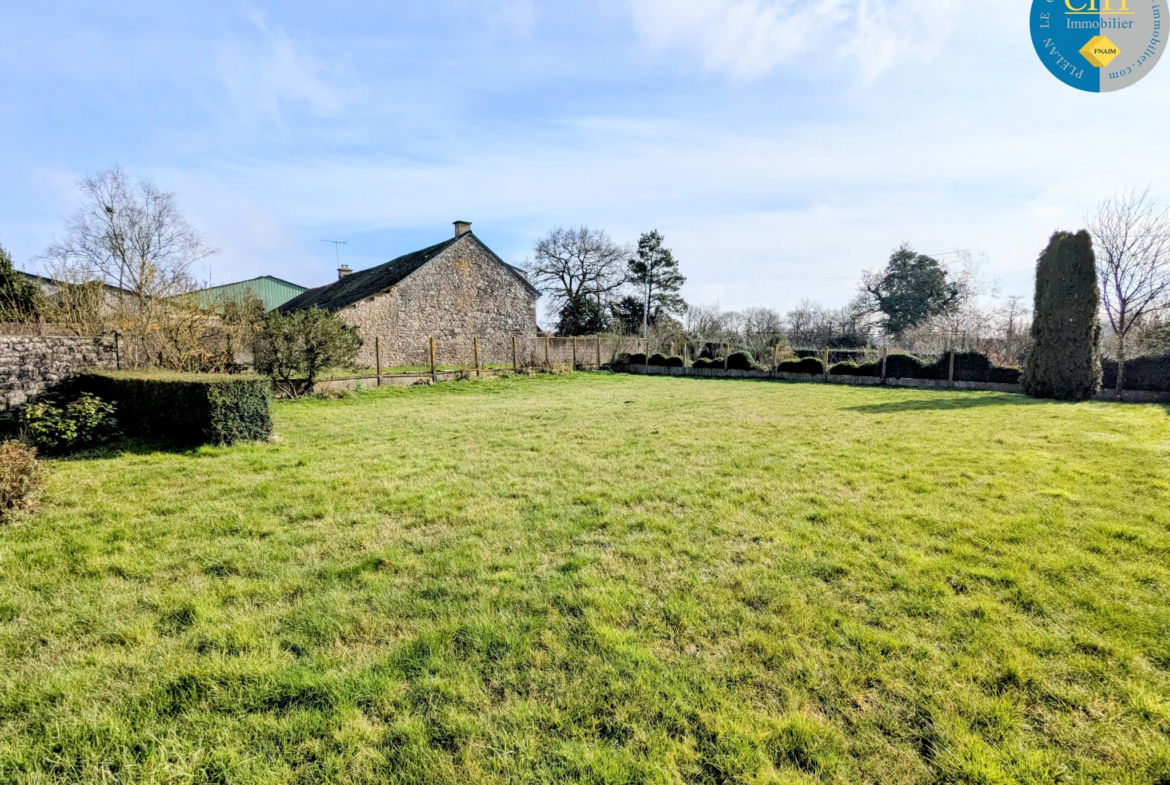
point(598, 578)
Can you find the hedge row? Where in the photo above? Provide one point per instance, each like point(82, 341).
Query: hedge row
point(1151, 373)
point(969, 367)
point(186, 408)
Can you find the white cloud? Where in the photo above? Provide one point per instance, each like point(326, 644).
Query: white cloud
point(273, 74)
point(747, 39)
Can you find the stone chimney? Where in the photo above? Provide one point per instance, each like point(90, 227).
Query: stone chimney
point(462, 228)
point(343, 271)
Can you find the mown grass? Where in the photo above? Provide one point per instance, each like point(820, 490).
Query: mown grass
point(604, 579)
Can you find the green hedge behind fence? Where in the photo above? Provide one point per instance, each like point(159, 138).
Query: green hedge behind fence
point(186, 408)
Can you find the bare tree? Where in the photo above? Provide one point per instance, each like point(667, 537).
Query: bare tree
point(705, 324)
point(131, 236)
point(1131, 239)
point(578, 262)
point(760, 330)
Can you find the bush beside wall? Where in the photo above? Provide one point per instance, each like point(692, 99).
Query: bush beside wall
point(743, 361)
point(810, 365)
point(846, 368)
point(187, 408)
point(1150, 373)
point(663, 361)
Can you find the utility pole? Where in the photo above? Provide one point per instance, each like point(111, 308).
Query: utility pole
point(646, 311)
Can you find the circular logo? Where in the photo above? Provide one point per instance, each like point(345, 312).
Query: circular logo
point(1099, 45)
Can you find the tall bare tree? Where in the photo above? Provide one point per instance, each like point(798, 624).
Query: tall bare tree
point(575, 262)
point(760, 330)
point(705, 324)
point(131, 236)
point(1131, 238)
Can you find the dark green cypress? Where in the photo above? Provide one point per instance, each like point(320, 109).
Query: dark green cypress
point(1065, 360)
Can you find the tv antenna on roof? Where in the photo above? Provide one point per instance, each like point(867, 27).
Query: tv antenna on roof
point(337, 248)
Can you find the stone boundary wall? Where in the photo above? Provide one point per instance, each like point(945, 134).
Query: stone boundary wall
point(1129, 396)
point(32, 365)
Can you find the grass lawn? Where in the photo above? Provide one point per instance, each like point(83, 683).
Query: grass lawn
point(604, 578)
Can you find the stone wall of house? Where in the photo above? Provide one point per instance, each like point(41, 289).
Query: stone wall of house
point(31, 365)
point(463, 293)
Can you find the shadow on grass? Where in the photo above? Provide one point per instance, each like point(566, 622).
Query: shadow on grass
point(955, 402)
point(122, 447)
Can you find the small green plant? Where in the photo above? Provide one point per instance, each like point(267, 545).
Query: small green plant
point(294, 348)
point(81, 423)
point(21, 477)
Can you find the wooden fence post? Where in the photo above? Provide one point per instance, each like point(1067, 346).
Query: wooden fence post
point(117, 353)
point(475, 346)
point(826, 363)
point(599, 353)
point(378, 358)
point(515, 362)
point(885, 354)
point(433, 378)
point(775, 356)
point(951, 372)
point(574, 353)
point(546, 362)
point(726, 355)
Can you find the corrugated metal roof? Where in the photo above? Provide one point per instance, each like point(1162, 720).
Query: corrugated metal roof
point(273, 292)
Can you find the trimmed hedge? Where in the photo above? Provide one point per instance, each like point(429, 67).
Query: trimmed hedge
point(1150, 373)
point(810, 365)
point(708, 362)
point(844, 369)
point(907, 366)
point(743, 361)
point(663, 361)
point(187, 408)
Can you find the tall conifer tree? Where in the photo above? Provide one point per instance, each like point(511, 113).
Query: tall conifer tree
point(1065, 361)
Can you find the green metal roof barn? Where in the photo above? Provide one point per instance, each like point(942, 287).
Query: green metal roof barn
point(273, 292)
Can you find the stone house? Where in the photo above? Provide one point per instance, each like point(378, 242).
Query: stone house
point(453, 292)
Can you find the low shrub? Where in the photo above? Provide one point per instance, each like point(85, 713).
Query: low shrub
point(86, 421)
point(708, 362)
point(1150, 373)
point(868, 369)
point(187, 408)
point(663, 361)
point(810, 365)
point(846, 368)
point(21, 478)
point(636, 359)
point(907, 366)
point(743, 361)
point(999, 374)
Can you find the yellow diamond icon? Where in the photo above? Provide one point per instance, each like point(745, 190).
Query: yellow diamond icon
point(1100, 51)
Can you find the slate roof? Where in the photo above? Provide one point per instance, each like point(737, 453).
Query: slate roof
point(366, 283)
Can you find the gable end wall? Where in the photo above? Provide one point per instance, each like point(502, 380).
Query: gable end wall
point(462, 293)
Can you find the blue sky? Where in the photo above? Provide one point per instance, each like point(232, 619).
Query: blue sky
point(781, 147)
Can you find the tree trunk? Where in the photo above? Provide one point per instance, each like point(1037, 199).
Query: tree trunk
point(1120, 361)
